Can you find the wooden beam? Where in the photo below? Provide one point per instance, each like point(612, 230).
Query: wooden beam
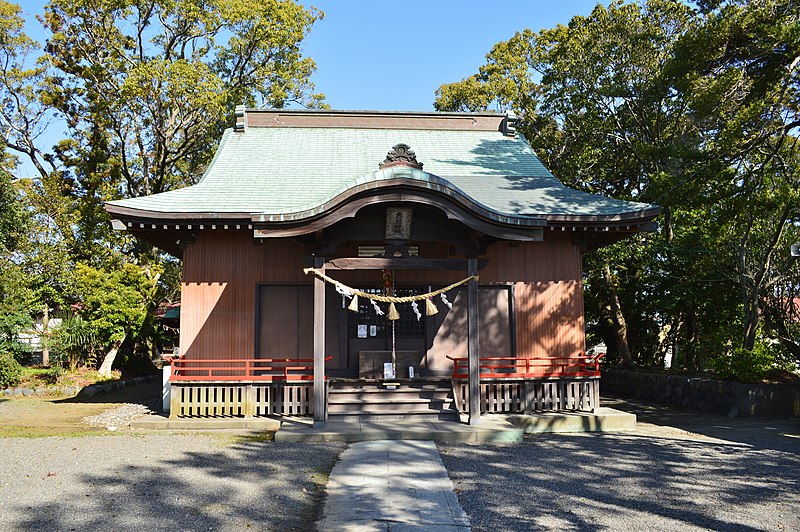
point(320, 411)
point(402, 263)
point(473, 353)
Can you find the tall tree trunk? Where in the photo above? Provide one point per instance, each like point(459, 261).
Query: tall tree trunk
point(691, 342)
point(618, 318)
point(752, 318)
point(45, 327)
point(108, 360)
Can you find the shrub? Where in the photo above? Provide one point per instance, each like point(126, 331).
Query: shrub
point(750, 366)
point(52, 375)
point(10, 370)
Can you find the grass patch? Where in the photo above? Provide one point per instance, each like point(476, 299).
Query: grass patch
point(254, 437)
point(18, 431)
point(319, 476)
point(42, 377)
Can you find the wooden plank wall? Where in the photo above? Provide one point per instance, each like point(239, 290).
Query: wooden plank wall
point(548, 296)
point(220, 272)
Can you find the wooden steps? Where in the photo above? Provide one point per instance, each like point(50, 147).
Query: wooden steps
point(368, 400)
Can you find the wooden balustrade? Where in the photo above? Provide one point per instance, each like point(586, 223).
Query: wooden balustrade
point(248, 369)
point(527, 385)
point(530, 368)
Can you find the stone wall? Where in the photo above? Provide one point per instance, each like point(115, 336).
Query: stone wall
point(722, 397)
point(69, 391)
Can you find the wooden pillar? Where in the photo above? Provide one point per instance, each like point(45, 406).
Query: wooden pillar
point(473, 350)
point(319, 345)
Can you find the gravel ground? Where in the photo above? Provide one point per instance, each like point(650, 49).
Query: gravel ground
point(120, 416)
point(659, 478)
point(129, 481)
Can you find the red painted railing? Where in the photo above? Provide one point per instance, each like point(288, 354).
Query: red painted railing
point(530, 368)
point(249, 369)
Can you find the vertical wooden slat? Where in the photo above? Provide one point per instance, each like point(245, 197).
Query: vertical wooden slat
point(320, 413)
point(473, 353)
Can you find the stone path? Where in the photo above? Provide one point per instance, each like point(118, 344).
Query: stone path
point(391, 485)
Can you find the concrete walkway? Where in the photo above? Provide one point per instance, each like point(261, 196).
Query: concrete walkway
point(391, 485)
point(493, 428)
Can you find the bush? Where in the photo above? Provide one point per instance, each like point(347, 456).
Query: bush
point(52, 375)
point(10, 370)
point(750, 366)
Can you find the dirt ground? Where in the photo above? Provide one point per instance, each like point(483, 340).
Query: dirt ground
point(33, 417)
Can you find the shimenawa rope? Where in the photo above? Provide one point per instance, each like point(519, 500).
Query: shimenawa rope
point(388, 299)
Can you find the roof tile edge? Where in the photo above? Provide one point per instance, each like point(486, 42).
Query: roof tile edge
point(325, 118)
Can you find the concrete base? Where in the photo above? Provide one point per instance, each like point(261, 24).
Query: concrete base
point(492, 428)
point(353, 431)
point(602, 420)
point(154, 422)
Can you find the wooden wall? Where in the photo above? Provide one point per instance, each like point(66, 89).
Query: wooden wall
point(218, 292)
point(548, 295)
point(222, 268)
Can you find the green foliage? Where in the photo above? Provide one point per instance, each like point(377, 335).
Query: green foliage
point(10, 369)
point(113, 302)
point(14, 219)
point(53, 375)
point(145, 91)
point(148, 90)
point(74, 339)
point(695, 110)
point(750, 365)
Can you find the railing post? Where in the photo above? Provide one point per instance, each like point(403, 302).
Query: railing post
point(473, 348)
point(166, 385)
point(175, 401)
point(319, 345)
point(249, 405)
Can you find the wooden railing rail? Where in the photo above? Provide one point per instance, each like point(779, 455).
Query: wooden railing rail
point(249, 369)
point(530, 368)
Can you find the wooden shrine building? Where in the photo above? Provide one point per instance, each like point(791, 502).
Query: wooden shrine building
point(311, 229)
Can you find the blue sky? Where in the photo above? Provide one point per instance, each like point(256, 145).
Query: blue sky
point(393, 55)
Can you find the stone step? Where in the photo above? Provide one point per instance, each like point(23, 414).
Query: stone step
point(403, 388)
point(442, 415)
point(422, 400)
point(348, 400)
point(387, 396)
point(360, 408)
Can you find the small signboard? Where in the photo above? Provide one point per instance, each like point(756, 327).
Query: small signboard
point(388, 370)
point(362, 330)
point(373, 330)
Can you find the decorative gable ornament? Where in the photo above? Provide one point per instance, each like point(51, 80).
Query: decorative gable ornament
point(401, 154)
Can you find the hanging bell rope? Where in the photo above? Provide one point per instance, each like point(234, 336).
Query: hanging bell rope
point(391, 299)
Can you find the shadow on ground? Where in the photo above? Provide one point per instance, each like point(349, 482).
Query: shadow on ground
point(679, 470)
point(780, 434)
point(174, 482)
point(148, 393)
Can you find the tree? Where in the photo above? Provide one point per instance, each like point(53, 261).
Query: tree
point(23, 115)
point(148, 86)
point(16, 297)
point(145, 89)
point(741, 72)
point(593, 102)
point(695, 110)
point(114, 305)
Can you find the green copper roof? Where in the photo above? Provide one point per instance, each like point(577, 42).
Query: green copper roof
point(277, 170)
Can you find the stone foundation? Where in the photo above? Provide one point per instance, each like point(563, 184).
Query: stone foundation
point(722, 397)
